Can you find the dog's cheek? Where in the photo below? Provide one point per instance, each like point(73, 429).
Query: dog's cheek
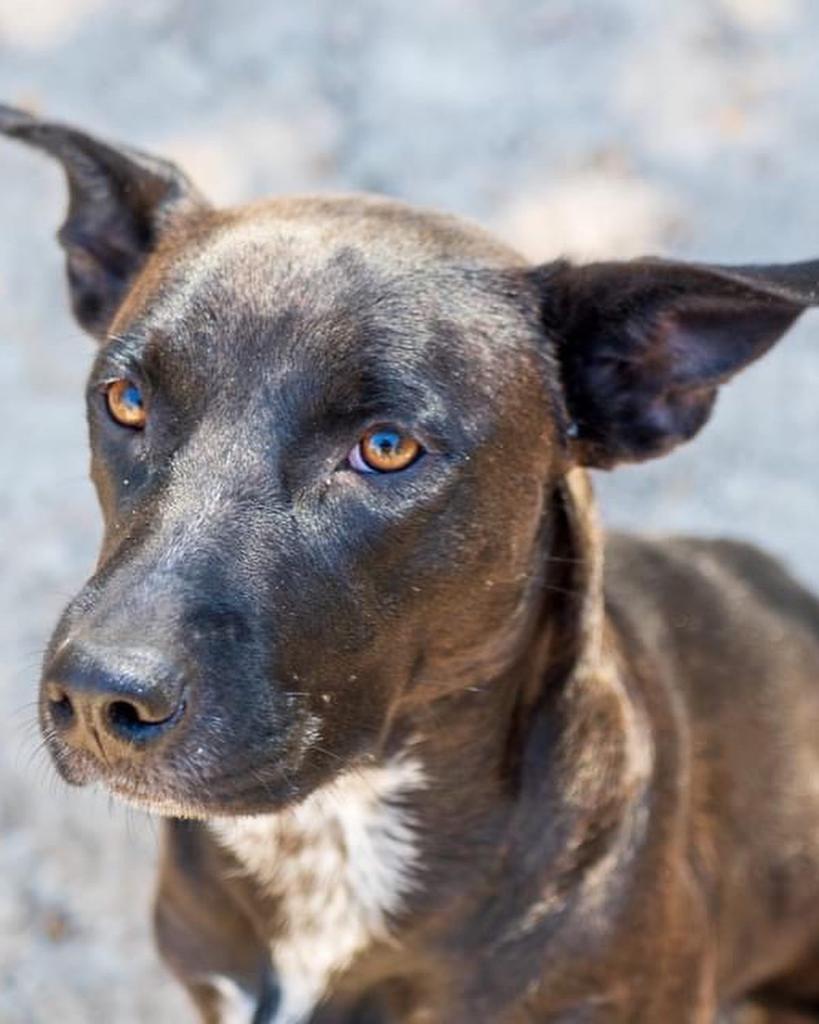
point(120, 484)
point(486, 593)
point(104, 482)
point(343, 684)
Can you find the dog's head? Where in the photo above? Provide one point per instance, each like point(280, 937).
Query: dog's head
point(325, 437)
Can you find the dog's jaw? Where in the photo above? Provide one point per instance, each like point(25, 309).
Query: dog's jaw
point(341, 864)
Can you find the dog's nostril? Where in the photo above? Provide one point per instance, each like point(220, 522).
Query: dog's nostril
point(135, 723)
point(107, 703)
point(61, 708)
point(131, 721)
point(62, 712)
point(122, 714)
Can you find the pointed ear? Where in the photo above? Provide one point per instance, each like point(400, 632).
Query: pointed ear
point(643, 346)
point(120, 201)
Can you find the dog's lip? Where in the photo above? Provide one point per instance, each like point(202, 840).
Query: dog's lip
point(215, 796)
point(175, 788)
point(167, 803)
point(209, 799)
point(76, 768)
point(85, 771)
point(206, 796)
point(158, 803)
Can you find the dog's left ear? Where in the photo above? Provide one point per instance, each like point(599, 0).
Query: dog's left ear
point(120, 202)
point(643, 346)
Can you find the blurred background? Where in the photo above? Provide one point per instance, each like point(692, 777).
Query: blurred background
point(596, 128)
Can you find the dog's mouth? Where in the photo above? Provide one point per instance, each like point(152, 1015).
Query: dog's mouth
point(152, 801)
point(170, 802)
point(197, 785)
point(172, 794)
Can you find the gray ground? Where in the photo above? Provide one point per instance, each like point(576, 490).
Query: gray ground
point(590, 128)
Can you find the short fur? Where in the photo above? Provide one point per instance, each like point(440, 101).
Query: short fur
point(430, 749)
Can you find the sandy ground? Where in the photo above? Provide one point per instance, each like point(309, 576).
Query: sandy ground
point(588, 128)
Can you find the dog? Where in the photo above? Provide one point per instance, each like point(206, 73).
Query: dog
point(430, 749)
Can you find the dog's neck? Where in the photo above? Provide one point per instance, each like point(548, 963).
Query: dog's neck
point(542, 775)
point(558, 730)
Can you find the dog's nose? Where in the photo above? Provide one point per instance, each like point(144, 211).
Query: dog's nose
point(112, 704)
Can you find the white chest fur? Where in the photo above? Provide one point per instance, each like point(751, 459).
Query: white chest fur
point(341, 863)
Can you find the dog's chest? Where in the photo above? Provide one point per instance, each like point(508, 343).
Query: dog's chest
point(339, 864)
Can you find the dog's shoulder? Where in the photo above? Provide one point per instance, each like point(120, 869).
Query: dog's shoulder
point(763, 577)
point(696, 581)
point(726, 629)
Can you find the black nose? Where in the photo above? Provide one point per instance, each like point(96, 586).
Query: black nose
point(113, 704)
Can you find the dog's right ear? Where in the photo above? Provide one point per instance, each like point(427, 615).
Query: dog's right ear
point(120, 202)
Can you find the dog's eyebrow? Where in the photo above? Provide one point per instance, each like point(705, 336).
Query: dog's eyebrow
point(124, 354)
point(352, 402)
point(117, 344)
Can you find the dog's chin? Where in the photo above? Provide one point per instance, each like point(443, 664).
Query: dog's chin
point(173, 802)
point(168, 795)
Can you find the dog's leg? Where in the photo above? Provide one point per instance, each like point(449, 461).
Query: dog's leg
point(205, 937)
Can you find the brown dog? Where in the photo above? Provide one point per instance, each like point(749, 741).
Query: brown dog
point(424, 760)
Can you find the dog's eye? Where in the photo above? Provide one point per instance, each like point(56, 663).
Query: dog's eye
point(125, 403)
point(384, 450)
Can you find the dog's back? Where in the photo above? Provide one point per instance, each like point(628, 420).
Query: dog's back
point(733, 642)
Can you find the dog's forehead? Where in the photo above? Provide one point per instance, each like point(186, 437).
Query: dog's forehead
point(361, 279)
point(388, 229)
point(316, 249)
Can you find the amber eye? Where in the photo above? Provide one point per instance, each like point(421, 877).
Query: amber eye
point(384, 450)
point(125, 403)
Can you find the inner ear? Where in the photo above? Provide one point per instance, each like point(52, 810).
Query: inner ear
point(644, 346)
point(121, 201)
